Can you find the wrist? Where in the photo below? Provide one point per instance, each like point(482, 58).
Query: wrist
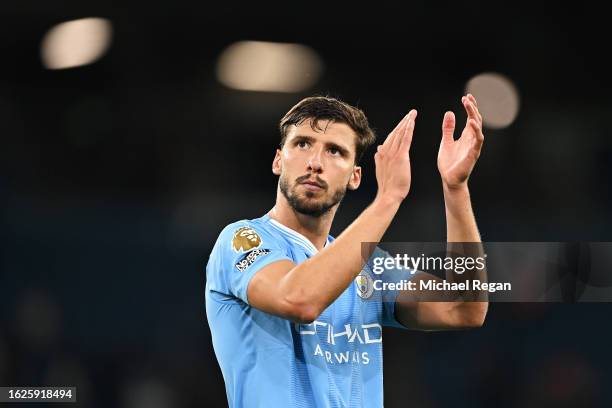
point(385, 203)
point(460, 188)
point(457, 199)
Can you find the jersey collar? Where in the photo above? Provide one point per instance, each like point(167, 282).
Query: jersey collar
point(297, 237)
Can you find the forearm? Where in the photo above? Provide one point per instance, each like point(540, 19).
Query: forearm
point(461, 228)
point(317, 282)
point(460, 221)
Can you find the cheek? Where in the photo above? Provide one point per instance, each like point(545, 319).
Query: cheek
point(345, 165)
point(341, 176)
point(343, 168)
point(292, 162)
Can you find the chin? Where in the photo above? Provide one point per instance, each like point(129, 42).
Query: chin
point(311, 198)
point(313, 204)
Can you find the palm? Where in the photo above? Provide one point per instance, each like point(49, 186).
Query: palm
point(456, 158)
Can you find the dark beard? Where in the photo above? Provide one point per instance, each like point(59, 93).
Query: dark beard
point(311, 209)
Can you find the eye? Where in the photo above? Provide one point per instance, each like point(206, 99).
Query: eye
point(335, 152)
point(302, 144)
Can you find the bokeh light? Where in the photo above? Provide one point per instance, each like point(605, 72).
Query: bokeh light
point(76, 43)
point(497, 97)
point(268, 66)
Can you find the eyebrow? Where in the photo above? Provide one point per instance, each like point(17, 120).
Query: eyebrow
point(304, 138)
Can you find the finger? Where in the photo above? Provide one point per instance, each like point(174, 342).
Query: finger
point(448, 127)
point(478, 135)
point(377, 156)
point(399, 133)
point(471, 110)
point(380, 151)
point(406, 140)
point(391, 135)
point(402, 131)
point(397, 137)
point(473, 99)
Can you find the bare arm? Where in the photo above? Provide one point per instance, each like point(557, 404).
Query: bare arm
point(301, 292)
point(456, 161)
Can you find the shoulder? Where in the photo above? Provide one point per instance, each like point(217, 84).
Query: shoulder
point(245, 235)
point(234, 241)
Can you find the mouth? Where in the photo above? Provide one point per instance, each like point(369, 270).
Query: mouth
point(312, 185)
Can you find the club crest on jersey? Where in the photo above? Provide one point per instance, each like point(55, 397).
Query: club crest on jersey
point(364, 285)
point(245, 239)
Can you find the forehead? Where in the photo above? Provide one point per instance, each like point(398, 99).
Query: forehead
point(326, 131)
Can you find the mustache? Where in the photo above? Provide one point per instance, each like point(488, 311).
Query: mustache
point(306, 177)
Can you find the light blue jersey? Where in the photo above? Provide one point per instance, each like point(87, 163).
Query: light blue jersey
point(268, 361)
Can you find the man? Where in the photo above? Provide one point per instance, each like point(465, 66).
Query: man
point(289, 326)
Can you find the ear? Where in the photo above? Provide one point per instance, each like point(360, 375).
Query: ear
point(355, 179)
point(276, 163)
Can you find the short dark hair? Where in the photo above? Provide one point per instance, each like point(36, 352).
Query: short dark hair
point(316, 108)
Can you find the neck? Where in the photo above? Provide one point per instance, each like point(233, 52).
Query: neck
point(316, 229)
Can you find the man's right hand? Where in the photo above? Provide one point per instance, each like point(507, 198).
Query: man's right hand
point(393, 161)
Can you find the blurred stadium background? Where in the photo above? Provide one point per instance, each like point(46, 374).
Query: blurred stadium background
point(132, 133)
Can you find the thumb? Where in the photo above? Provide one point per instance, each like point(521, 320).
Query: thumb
point(448, 127)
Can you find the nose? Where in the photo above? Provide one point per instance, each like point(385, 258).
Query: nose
point(315, 164)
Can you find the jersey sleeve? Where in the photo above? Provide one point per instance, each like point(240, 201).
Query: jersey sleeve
point(389, 297)
point(241, 250)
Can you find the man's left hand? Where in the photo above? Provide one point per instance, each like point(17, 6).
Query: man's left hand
point(456, 158)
